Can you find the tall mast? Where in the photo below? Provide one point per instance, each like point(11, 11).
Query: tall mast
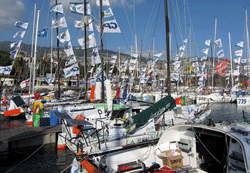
point(214, 52)
point(167, 44)
point(58, 65)
point(51, 50)
point(32, 49)
point(85, 51)
point(248, 53)
point(34, 65)
point(231, 59)
point(101, 44)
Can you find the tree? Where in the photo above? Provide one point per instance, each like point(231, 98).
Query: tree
point(18, 67)
point(5, 59)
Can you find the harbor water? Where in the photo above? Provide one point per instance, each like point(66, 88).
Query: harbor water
point(47, 159)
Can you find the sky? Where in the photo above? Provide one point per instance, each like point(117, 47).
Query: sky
point(141, 19)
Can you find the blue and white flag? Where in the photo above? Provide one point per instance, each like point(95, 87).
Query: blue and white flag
point(237, 60)
point(205, 51)
point(42, 33)
point(95, 57)
point(134, 55)
point(59, 23)
point(243, 61)
point(238, 52)
point(13, 54)
point(218, 42)
point(204, 58)
point(19, 34)
point(68, 49)
point(75, 166)
point(64, 36)
point(17, 44)
point(91, 42)
point(207, 42)
point(50, 78)
point(194, 59)
point(21, 24)
point(109, 27)
point(5, 70)
point(78, 8)
point(240, 44)
point(72, 60)
point(71, 71)
point(104, 3)
point(158, 55)
point(108, 13)
point(220, 53)
point(57, 8)
point(235, 88)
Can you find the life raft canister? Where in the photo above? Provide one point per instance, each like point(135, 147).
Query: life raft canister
point(77, 128)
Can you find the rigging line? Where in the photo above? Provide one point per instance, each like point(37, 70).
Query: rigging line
point(128, 20)
point(134, 20)
point(157, 17)
point(178, 27)
point(179, 20)
point(125, 41)
point(192, 28)
point(66, 168)
point(172, 20)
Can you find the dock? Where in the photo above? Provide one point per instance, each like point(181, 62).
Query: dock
point(19, 137)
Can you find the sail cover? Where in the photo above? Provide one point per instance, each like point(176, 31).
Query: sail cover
point(154, 111)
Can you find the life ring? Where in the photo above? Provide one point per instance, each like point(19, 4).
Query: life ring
point(77, 128)
point(37, 107)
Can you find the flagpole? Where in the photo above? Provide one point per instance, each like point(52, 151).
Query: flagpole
point(214, 52)
point(85, 50)
point(32, 49)
point(101, 53)
point(231, 59)
point(34, 68)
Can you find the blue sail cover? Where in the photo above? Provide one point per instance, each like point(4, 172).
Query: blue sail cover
point(154, 111)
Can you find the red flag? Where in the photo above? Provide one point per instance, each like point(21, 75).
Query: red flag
point(221, 67)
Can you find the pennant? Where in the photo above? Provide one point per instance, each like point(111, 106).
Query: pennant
point(175, 76)
point(243, 61)
point(95, 57)
point(114, 56)
point(21, 24)
point(133, 61)
point(205, 51)
point(113, 61)
point(24, 83)
point(90, 41)
point(78, 8)
point(57, 8)
point(221, 67)
point(240, 44)
point(207, 42)
point(220, 53)
point(42, 33)
point(203, 67)
point(13, 54)
point(204, 58)
point(108, 13)
point(238, 52)
point(109, 27)
point(68, 49)
point(64, 36)
point(71, 71)
point(185, 41)
point(5, 70)
point(235, 88)
point(218, 42)
point(237, 60)
point(134, 55)
point(50, 78)
point(59, 23)
point(158, 55)
point(104, 3)
point(17, 44)
point(182, 48)
point(72, 60)
point(19, 34)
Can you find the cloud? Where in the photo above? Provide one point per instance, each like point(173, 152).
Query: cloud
point(10, 11)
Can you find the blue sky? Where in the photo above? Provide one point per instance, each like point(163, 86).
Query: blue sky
point(144, 18)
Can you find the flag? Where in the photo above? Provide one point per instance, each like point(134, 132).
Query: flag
point(5, 69)
point(243, 61)
point(24, 83)
point(158, 55)
point(237, 60)
point(134, 55)
point(109, 27)
point(114, 56)
point(204, 58)
point(207, 42)
point(194, 59)
point(203, 67)
point(205, 51)
point(104, 3)
point(180, 100)
point(177, 63)
point(108, 13)
point(78, 8)
point(175, 76)
point(133, 61)
point(68, 49)
point(72, 60)
point(71, 71)
point(17, 44)
point(240, 44)
point(42, 33)
point(221, 67)
point(90, 41)
point(199, 88)
point(235, 88)
point(95, 57)
point(237, 79)
point(218, 42)
point(59, 23)
point(21, 24)
point(50, 78)
point(185, 41)
point(19, 33)
point(195, 64)
point(182, 47)
point(13, 54)
point(238, 52)
point(57, 8)
point(220, 53)
point(113, 61)
point(237, 71)
point(64, 36)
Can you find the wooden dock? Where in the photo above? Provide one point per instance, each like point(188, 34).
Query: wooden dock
point(19, 137)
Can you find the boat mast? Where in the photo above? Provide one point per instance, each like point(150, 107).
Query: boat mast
point(51, 50)
point(231, 59)
point(214, 53)
point(167, 44)
point(101, 44)
point(32, 50)
point(34, 67)
point(57, 94)
point(85, 50)
point(248, 53)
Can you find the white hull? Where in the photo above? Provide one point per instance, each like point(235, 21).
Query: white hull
point(243, 101)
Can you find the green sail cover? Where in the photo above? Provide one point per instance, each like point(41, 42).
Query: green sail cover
point(156, 110)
